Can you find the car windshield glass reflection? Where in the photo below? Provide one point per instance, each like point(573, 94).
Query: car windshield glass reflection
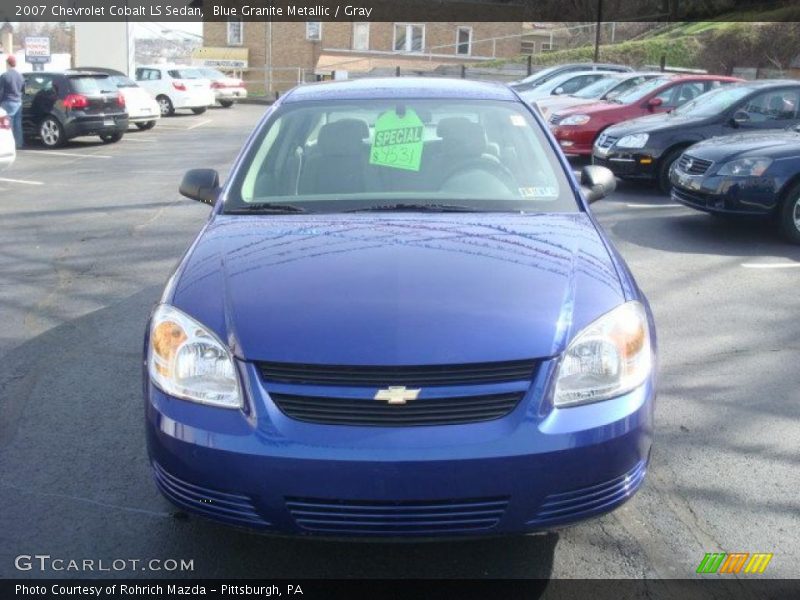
point(344, 156)
point(640, 91)
point(712, 103)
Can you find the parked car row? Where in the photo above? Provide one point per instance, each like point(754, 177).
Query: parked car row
point(59, 106)
point(716, 144)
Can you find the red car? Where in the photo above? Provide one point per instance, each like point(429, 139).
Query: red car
point(576, 129)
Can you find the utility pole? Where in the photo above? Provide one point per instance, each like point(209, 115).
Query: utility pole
point(597, 30)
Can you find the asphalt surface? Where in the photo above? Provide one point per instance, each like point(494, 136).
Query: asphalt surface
point(88, 236)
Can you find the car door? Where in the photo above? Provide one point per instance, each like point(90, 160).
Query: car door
point(37, 101)
point(149, 79)
point(771, 109)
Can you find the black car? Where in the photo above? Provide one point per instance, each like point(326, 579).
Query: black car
point(646, 148)
point(751, 174)
point(57, 107)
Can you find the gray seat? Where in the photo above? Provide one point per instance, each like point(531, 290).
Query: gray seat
point(338, 163)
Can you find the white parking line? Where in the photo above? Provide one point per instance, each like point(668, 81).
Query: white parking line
point(630, 205)
point(24, 181)
point(787, 265)
point(54, 153)
point(201, 123)
point(134, 139)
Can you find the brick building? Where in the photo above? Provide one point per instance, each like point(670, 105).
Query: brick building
point(282, 54)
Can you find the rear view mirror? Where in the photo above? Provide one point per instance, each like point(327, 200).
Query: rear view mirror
point(654, 103)
point(740, 116)
point(201, 185)
point(597, 182)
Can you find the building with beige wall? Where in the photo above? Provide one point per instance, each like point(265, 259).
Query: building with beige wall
point(282, 54)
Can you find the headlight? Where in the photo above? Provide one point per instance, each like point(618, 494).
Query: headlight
point(608, 358)
point(745, 167)
point(637, 140)
point(187, 361)
point(576, 120)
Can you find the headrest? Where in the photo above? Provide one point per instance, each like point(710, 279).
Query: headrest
point(343, 137)
point(462, 135)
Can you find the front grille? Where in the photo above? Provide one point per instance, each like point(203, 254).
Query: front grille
point(382, 376)
point(606, 141)
point(590, 500)
point(216, 504)
point(404, 517)
point(376, 413)
point(692, 165)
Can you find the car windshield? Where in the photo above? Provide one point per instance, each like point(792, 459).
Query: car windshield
point(713, 102)
point(598, 88)
point(640, 91)
point(92, 84)
point(539, 77)
point(211, 73)
point(186, 74)
point(436, 154)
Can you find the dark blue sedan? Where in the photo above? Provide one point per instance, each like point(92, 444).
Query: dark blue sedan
point(401, 319)
point(750, 175)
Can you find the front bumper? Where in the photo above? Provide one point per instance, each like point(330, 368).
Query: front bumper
point(574, 141)
point(91, 125)
point(632, 164)
point(532, 470)
point(751, 196)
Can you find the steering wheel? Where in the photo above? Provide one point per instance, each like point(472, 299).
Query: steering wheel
point(489, 164)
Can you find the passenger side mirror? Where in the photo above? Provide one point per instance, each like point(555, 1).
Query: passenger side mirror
point(558, 91)
point(654, 103)
point(201, 185)
point(740, 117)
point(597, 182)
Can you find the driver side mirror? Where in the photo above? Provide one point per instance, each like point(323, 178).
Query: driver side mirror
point(597, 182)
point(201, 185)
point(558, 91)
point(654, 103)
point(740, 117)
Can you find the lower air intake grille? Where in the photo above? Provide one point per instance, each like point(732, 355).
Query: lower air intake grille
point(406, 517)
point(368, 412)
point(382, 376)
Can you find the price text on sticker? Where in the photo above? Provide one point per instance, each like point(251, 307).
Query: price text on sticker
point(398, 141)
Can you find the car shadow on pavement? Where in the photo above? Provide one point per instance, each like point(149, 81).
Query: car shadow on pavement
point(77, 484)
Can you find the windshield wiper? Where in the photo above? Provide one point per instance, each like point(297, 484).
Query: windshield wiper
point(405, 207)
point(266, 207)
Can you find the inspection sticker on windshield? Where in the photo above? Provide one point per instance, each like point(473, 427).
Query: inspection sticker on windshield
point(398, 141)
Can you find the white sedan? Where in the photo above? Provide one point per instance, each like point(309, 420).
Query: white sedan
point(8, 151)
point(175, 86)
point(568, 83)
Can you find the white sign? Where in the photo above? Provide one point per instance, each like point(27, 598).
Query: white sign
point(37, 49)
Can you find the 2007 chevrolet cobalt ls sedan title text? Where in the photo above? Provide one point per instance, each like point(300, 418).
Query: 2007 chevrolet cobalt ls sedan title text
point(400, 320)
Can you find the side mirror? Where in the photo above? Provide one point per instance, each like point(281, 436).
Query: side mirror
point(597, 182)
point(201, 185)
point(654, 103)
point(558, 91)
point(740, 117)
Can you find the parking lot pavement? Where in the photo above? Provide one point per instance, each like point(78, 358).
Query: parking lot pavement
point(84, 254)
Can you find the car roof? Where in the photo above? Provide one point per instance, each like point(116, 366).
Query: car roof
point(103, 70)
point(67, 73)
point(401, 87)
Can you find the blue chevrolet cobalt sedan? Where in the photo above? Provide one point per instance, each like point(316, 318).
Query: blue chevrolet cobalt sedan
point(400, 319)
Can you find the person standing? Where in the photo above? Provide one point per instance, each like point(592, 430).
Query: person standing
point(11, 87)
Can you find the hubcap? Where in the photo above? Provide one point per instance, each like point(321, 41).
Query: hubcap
point(796, 214)
point(49, 133)
point(164, 104)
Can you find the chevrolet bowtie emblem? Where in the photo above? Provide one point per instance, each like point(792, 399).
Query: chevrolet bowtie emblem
point(397, 394)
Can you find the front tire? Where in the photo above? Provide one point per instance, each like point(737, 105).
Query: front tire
point(664, 165)
point(165, 106)
point(51, 133)
point(146, 125)
point(111, 138)
point(226, 103)
point(789, 215)
point(199, 111)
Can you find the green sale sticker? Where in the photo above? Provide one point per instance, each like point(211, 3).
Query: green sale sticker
point(398, 141)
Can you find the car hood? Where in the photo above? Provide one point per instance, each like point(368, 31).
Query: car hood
point(765, 143)
point(397, 289)
point(653, 124)
point(559, 103)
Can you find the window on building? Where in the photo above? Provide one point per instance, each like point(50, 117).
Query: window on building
point(314, 31)
point(360, 36)
point(409, 37)
point(548, 46)
point(464, 41)
point(528, 47)
point(235, 33)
